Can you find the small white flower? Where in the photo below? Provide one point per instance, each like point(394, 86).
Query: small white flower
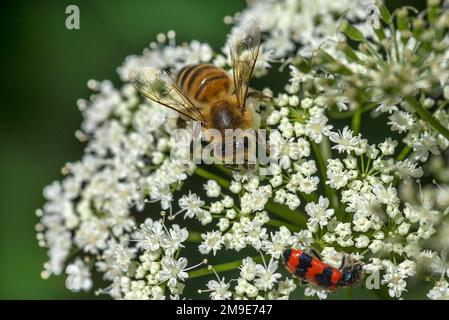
point(212, 188)
point(401, 121)
point(280, 196)
point(283, 150)
point(205, 217)
point(345, 141)
point(256, 200)
point(310, 292)
point(395, 282)
point(362, 241)
point(248, 269)
point(173, 270)
point(440, 291)
point(407, 169)
point(228, 202)
point(306, 168)
point(316, 127)
point(440, 264)
point(191, 204)
point(219, 290)
point(172, 241)
point(216, 207)
point(387, 147)
point(319, 214)
point(286, 286)
point(231, 214)
point(266, 275)
point(308, 184)
point(407, 268)
point(235, 187)
point(79, 277)
point(331, 256)
point(280, 240)
point(223, 224)
point(92, 235)
point(274, 118)
point(212, 242)
point(376, 246)
point(276, 181)
point(292, 201)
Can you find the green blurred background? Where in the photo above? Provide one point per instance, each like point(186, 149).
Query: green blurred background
point(44, 70)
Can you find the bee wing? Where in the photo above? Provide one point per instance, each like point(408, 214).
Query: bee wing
point(244, 49)
point(160, 87)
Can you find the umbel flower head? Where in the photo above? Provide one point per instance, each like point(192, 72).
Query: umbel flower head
point(133, 212)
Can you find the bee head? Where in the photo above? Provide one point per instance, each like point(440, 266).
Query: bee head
point(224, 116)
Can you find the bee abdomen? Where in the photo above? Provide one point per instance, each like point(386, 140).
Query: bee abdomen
point(203, 82)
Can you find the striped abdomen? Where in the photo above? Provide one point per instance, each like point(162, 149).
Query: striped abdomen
point(203, 82)
point(312, 269)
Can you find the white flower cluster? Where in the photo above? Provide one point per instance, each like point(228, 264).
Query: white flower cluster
point(159, 266)
point(256, 281)
point(365, 175)
point(331, 187)
point(125, 165)
point(290, 23)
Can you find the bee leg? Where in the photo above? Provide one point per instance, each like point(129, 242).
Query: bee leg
point(256, 94)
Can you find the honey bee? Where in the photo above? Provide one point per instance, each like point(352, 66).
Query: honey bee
point(206, 93)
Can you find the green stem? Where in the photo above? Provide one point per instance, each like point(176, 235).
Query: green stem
point(349, 114)
point(330, 193)
point(296, 217)
point(224, 170)
point(395, 42)
point(279, 223)
point(362, 162)
point(404, 153)
point(425, 115)
point(312, 197)
point(211, 176)
point(357, 120)
point(367, 168)
point(194, 236)
point(340, 114)
point(223, 267)
point(325, 148)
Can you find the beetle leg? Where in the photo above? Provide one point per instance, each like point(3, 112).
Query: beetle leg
point(343, 262)
point(315, 253)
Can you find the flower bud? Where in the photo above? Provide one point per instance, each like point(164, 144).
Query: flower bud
point(350, 31)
